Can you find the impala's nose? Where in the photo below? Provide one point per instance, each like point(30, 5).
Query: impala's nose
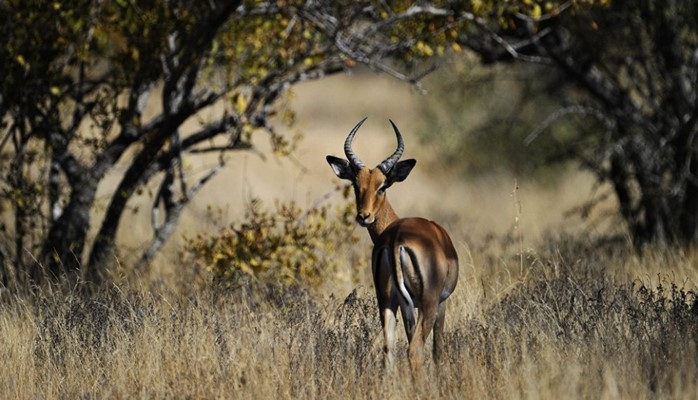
point(364, 218)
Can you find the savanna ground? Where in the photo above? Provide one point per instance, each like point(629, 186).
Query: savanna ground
point(543, 309)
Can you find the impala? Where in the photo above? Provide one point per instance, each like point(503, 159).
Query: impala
point(414, 263)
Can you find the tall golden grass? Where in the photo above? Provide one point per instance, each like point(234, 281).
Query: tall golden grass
point(574, 319)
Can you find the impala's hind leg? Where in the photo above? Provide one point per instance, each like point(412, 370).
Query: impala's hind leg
point(438, 333)
point(408, 321)
point(425, 323)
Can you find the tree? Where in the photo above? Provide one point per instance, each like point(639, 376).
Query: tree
point(76, 79)
point(631, 71)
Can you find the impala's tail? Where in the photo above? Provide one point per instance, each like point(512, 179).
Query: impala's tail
point(401, 254)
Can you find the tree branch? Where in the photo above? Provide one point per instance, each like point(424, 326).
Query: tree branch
point(173, 210)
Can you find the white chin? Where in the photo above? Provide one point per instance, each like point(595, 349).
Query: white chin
point(364, 222)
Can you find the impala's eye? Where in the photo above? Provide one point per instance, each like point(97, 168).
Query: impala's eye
point(381, 189)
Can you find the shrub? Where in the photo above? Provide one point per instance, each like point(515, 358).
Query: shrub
point(283, 248)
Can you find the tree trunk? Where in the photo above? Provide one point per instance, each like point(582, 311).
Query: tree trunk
point(619, 177)
point(105, 242)
point(688, 214)
point(65, 242)
point(687, 170)
point(688, 219)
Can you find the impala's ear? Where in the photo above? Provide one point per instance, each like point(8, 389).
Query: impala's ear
point(341, 167)
point(400, 171)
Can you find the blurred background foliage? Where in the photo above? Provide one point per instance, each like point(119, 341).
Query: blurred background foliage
point(459, 123)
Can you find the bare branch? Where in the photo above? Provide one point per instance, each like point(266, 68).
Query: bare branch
point(220, 149)
point(173, 210)
point(565, 111)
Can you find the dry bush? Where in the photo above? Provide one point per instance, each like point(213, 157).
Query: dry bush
point(275, 251)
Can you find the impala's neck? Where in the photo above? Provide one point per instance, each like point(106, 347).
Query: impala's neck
point(384, 218)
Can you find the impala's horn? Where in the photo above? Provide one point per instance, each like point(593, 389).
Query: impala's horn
point(353, 159)
point(389, 162)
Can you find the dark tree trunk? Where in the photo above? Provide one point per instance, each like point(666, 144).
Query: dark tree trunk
point(688, 215)
point(687, 171)
point(620, 177)
point(688, 219)
point(105, 242)
point(65, 241)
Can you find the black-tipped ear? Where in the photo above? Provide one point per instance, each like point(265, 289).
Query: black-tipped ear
point(341, 167)
point(400, 171)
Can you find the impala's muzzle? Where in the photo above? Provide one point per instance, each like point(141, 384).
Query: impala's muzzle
point(365, 219)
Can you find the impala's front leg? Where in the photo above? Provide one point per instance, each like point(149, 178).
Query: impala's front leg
point(387, 304)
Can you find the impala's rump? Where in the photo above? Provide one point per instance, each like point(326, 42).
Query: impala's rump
point(421, 264)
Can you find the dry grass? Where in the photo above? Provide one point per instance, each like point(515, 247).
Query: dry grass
point(562, 324)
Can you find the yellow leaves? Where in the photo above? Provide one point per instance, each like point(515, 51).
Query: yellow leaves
point(22, 62)
point(135, 54)
point(257, 44)
point(288, 246)
point(288, 117)
point(477, 6)
point(280, 146)
point(423, 49)
point(508, 12)
point(239, 100)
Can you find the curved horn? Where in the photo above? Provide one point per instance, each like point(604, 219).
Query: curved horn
point(389, 162)
point(353, 159)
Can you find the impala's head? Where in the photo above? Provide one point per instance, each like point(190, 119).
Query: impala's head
point(370, 184)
